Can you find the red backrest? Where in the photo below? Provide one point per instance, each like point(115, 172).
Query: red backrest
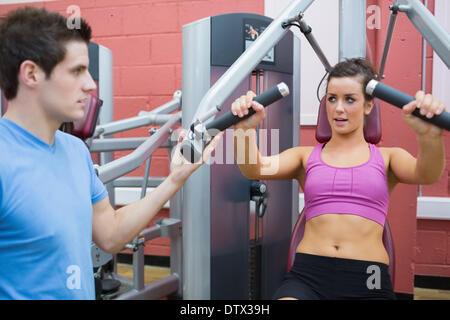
point(85, 128)
point(372, 128)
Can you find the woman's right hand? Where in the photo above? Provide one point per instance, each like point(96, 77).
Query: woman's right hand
point(240, 108)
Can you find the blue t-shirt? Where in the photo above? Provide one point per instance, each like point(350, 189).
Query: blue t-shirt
point(46, 197)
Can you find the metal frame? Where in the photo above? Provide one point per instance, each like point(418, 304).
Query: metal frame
point(429, 28)
point(117, 168)
point(111, 173)
point(352, 43)
point(217, 94)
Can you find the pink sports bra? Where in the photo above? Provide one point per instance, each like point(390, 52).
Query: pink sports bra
point(361, 190)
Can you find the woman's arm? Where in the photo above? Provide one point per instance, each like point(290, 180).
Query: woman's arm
point(252, 164)
point(430, 162)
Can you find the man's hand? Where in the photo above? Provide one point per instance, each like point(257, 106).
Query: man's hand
point(180, 168)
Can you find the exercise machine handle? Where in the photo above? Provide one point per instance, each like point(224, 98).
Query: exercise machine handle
point(194, 143)
point(266, 98)
point(399, 99)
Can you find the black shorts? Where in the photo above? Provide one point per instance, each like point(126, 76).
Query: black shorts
point(314, 277)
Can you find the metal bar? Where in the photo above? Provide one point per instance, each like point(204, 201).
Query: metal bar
point(138, 268)
point(352, 29)
point(176, 245)
point(424, 58)
point(387, 44)
point(145, 179)
point(151, 233)
point(427, 25)
point(229, 81)
point(131, 123)
point(128, 163)
point(119, 144)
point(168, 107)
point(424, 78)
point(135, 182)
point(102, 145)
point(155, 290)
point(307, 31)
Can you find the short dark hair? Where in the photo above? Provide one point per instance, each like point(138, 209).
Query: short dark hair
point(38, 35)
point(355, 67)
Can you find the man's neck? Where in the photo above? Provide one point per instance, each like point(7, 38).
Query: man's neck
point(30, 117)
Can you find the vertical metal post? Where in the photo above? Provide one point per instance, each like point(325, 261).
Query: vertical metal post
point(176, 244)
point(106, 115)
point(352, 29)
point(196, 190)
point(296, 122)
point(424, 75)
point(138, 268)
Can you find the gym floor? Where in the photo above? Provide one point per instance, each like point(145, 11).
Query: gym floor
point(156, 273)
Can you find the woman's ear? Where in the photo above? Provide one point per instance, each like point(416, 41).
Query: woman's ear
point(368, 106)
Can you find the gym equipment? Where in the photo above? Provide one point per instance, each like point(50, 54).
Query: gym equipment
point(192, 149)
point(399, 99)
point(221, 62)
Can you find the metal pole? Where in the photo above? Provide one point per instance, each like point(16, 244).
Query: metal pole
point(352, 29)
point(427, 25)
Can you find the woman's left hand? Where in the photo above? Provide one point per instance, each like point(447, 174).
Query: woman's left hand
point(429, 107)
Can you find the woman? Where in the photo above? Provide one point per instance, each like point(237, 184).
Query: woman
point(347, 183)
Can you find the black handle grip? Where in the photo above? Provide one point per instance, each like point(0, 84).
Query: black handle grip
point(399, 99)
point(266, 98)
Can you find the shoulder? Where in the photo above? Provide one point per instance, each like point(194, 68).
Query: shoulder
point(70, 140)
point(301, 152)
point(393, 152)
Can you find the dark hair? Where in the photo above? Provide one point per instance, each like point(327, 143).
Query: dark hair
point(355, 67)
point(38, 35)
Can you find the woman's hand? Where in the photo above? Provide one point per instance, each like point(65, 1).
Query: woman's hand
point(240, 108)
point(429, 107)
point(180, 168)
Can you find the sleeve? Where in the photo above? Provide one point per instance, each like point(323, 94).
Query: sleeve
point(98, 190)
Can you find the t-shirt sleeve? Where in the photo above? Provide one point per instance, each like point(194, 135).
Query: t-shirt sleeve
point(98, 190)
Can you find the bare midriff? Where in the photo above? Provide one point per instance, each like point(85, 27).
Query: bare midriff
point(344, 236)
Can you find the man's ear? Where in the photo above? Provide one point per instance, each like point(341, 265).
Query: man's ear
point(368, 106)
point(30, 74)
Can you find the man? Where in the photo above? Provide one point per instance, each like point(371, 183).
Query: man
point(52, 204)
